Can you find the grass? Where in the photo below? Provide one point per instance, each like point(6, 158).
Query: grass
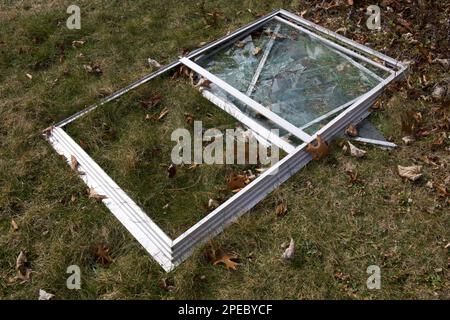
point(340, 229)
point(136, 152)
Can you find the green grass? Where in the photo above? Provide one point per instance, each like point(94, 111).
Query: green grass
point(382, 220)
point(136, 152)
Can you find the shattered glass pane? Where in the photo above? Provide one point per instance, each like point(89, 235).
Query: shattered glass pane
point(296, 76)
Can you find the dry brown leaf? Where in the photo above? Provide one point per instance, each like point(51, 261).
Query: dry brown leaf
point(189, 118)
point(281, 208)
point(171, 171)
point(14, 225)
point(73, 162)
point(443, 62)
point(239, 44)
point(22, 267)
point(94, 195)
point(154, 101)
point(354, 151)
point(77, 43)
point(439, 141)
point(447, 180)
point(408, 139)
point(44, 295)
point(256, 51)
point(319, 150)
point(203, 83)
point(93, 68)
point(102, 256)
point(352, 131)
point(236, 182)
point(227, 259)
point(193, 166)
point(163, 113)
point(410, 122)
point(48, 130)
point(166, 285)
point(290, 251)
point(442, 189)
point(350, 170)
point(411, 173)
point(154, 63)
point(213, 204)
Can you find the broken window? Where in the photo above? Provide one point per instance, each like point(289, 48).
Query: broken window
point(279, 72)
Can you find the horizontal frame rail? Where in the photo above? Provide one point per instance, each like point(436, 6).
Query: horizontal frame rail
point(390, 61)
point(251, 26)
point(334, 45)
point(248, 101)
point(249, 122)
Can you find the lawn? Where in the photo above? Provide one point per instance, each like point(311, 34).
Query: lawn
point(340, 228)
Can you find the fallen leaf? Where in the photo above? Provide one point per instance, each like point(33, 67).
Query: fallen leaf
point(43, 295)
point(163, 113)
point(341, 276)
point(226, 259)
point(203, 83)
point(213, 204)
point(166, 285)
point(94, 195)
point(102, 256)
point(354, 151)
point(439, 141)
point(171, 171)
point(447, 180)
point(48, 130)
point(236, 182)
point(319, 150)
point(281, 208)
point(406, 24)
point(182, 71)
point(352, 131)
point(290, 251)
point(239, 44)
point(14, 225)
point(189, 118)
point(256, 51)
point(193, 166)
point(411, 173)
point(22, 267)
point(73, 162)
point(443, 62)
point(93, 68)
point(350, 170)
point(410, 122)
point(154, 63)
point(154, 101)
point(408, 140)
point(442, 189)
point(77, 43)
point(342, 30)
point(439, 92)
